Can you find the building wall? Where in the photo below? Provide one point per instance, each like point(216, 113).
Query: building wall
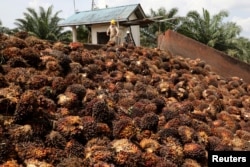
point(95, 29)
point(136, 34)
point(135, 31)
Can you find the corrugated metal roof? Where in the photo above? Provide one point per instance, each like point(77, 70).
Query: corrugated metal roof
point(120, 13)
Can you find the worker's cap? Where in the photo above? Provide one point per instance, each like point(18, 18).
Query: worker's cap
point(112, 21)
point(128, 32)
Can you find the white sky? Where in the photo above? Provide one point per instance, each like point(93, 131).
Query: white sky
point(238, 9)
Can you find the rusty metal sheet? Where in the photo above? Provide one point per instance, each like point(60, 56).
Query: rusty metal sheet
point(220, 63)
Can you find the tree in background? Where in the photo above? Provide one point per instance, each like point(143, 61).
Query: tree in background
point(241, 49)
point(212, 31)
point(83, 34)
point(206, 29)
point(43, 24)
point(4, 29)
point(167, 20)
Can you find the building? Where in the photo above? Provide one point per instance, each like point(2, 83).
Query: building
point(128, 18)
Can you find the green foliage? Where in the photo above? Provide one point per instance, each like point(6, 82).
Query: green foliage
point(43, 24)
point(4, 29)
point(212, 31)
point(65, 36)
point(205, 28)
point(147, 38)
point(83, 34)
point(241, 49)
point(168, 20)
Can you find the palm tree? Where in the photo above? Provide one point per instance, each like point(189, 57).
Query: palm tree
point(203, 28)
point(168, 20)
point(212, 31)
point(43, 24)
point(241, 49)
point(1, 26)
point(83, 34)
point(4, 29)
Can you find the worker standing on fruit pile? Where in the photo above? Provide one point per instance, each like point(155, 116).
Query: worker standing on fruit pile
point(112, 31)
point(128, 38)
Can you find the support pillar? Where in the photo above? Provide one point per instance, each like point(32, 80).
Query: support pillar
point(74, 33)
